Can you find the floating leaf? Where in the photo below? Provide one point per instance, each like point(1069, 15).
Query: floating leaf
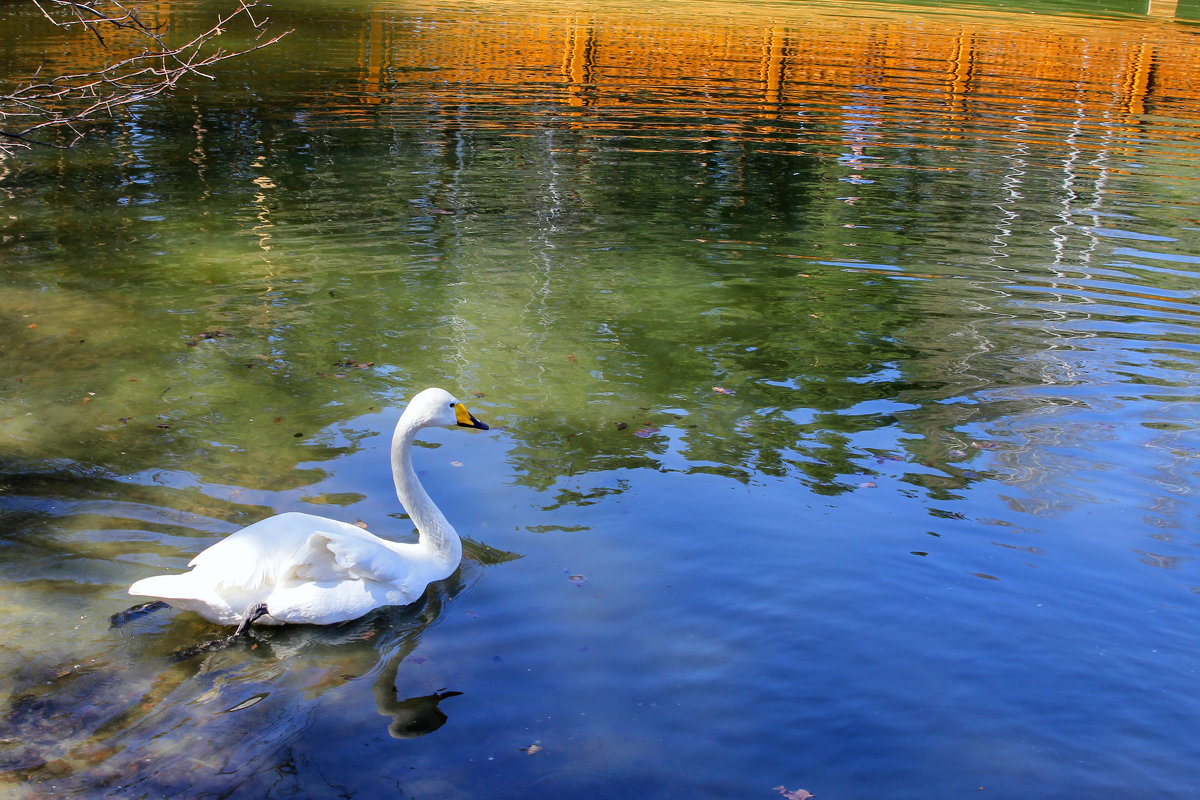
point(578, 580)
point(533, 748)
point(722, 390)
point(621, 426)
point(795, 794)
point(646, 432)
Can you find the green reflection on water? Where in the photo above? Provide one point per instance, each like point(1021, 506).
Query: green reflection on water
point(221, 338)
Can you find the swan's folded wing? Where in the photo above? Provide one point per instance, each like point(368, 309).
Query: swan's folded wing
point(238, 561)
point(338, 557)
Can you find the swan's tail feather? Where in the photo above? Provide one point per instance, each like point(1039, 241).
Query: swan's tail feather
point(168, 587)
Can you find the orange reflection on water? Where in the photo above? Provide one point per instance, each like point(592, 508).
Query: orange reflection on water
point(624, 67)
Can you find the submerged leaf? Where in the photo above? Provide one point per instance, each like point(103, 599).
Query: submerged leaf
point(215, 333)
point(350, 362)
point(249, 701)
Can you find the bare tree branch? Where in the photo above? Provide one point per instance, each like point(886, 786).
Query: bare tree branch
point(70, 101)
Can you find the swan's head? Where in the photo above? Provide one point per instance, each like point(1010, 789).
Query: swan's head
point(437, 407)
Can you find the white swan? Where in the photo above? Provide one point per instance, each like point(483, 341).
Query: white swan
point(301, 568)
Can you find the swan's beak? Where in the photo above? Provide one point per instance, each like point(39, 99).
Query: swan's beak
point(466, 419)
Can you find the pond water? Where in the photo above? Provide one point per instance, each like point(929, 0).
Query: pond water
point(841, 360)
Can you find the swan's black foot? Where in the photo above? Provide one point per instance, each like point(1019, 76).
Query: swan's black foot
point(211, 646)
point(140, 610)
point(252, 614)
point(241, 634)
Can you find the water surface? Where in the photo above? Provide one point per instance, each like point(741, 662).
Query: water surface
point(841, 362)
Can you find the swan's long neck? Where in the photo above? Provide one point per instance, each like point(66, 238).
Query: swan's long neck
point(437, 535)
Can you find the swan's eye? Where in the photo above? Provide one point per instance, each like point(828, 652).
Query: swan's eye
point(452, 405)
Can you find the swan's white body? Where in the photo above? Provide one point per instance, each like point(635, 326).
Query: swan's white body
point(308, 569)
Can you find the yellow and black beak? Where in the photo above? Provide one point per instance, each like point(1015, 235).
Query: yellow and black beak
point(466, 419)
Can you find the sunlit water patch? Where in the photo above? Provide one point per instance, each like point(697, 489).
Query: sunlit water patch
point(840, 360)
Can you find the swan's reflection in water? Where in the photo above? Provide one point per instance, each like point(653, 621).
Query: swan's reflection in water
point(413, 717)
point(378, 643)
